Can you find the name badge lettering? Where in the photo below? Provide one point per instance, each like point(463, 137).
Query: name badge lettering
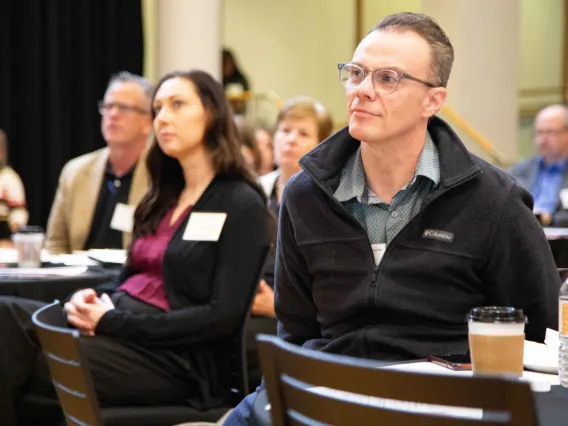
point(436, 234)
point(378, 252)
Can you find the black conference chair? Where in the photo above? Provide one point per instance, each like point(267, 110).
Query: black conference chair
point(291, 373)
point(72, 379)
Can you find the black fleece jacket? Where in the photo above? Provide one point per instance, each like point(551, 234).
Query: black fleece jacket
point(474, 242)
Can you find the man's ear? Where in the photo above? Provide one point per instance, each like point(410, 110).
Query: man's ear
point(434, 101)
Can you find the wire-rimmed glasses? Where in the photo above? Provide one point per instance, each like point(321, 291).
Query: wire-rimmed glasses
point(105, 107)
point(384, 80)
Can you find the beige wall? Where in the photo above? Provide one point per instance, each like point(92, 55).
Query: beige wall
point(292, 47)
point(484, 83)
point(540, 63)
point(182, 34)
point(374, 10)
point(150, 18)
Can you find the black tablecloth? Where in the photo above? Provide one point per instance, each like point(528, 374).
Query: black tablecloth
point(551, 407)
point(47, 289)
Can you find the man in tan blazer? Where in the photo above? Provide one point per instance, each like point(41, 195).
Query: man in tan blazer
point(98, 191)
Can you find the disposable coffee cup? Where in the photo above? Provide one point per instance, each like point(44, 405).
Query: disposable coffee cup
point(496, 340)
point(28, 242)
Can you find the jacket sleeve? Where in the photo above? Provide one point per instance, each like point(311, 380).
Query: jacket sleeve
point(521, 271)
point(243, 245)
point(57, 238)
point(295, 309)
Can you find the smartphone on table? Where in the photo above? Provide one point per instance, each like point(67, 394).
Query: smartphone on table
point(456, 362)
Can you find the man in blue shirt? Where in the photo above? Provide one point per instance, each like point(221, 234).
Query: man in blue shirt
point(546, 175)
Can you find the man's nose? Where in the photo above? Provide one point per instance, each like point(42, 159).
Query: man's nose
point(366, 89)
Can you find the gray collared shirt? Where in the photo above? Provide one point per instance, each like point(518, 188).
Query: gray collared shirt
point(381, 220)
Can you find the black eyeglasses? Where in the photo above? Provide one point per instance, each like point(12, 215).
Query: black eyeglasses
point(384, 80)
point(105, 108)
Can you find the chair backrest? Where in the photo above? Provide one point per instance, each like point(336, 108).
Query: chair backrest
point(291, 373)
point(237, 379)
point(67, 366)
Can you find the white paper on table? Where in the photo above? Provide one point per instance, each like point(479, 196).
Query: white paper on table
point(75, 259)
point(539, 357)
point(552, 339)
point(535, 379)
point(67, 271)
point(555, 232)
point(116, 256)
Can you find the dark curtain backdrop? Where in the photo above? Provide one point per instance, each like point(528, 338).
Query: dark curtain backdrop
point(56, 59)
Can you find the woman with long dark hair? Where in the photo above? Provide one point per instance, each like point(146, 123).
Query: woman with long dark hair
point(199, 240)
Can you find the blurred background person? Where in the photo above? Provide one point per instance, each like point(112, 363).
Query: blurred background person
point(97, 192)
point(264, 139)
point(249, 145)
point(301, 125)
point(13, 211)
point(545, 175)
point(235, 83)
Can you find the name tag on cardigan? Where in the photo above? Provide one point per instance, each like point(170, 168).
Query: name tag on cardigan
point(123, 217)
point(378, 252)
point(204, 226)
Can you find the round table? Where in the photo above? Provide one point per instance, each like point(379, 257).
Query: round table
point(48, 289)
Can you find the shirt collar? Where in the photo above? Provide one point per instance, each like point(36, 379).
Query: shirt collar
point(554, 167)
point(110, 173)
point(352, 181)
point(429, 162)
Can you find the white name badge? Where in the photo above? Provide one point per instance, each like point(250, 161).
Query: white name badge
point(204, 226)
point(123, 217)
point(378, 252)
point(564, 198)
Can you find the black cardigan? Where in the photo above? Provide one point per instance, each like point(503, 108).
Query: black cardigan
point(208, 284)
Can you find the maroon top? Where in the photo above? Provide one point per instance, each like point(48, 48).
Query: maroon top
point(146, 258)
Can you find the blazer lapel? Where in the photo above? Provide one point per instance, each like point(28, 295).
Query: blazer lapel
point(88, 187)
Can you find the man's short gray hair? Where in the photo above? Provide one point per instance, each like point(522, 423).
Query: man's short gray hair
point(128, 77)
point(429, 30)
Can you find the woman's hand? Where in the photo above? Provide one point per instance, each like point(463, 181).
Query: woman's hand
point(264, 301)
point(85, 310)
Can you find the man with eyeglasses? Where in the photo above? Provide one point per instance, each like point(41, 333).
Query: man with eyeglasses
point(97, 192)
point(546, 175)
point(393, 231)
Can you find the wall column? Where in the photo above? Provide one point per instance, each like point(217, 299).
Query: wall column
point(483, 85)
point(189, 34)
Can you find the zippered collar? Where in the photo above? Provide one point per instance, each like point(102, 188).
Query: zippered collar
point(325, 162)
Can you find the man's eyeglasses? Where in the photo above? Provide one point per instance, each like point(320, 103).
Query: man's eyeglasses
point(105, 108)
point(384, 80)
point(551, 133)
